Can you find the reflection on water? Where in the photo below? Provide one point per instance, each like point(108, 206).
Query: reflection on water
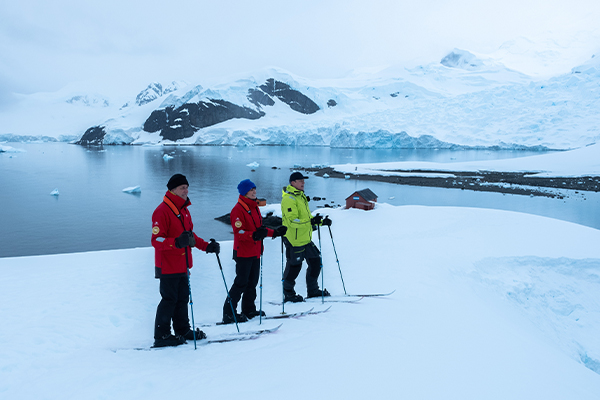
point(93, 213)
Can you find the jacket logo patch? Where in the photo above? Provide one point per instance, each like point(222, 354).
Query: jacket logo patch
point(289, 210)
point(155, 230)
point(238, 224)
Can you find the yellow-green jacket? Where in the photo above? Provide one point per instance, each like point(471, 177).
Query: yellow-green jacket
point(296, 216)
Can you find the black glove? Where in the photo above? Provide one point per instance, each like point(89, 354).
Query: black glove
point(260, 233)
point(316, 220)
point(213, 247)
point(326, 222)
point(185, 239)
point(280, 231)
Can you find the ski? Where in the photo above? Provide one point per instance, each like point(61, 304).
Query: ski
point(277, 316)
point(241, 336)
point(328, 299)
point(334, 299)
point(371, 294)
point(235, 337)
point(299, 314)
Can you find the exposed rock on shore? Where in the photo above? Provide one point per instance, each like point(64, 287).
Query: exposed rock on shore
point(523, 183)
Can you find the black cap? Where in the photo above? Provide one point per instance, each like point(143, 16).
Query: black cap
point(297, 175)
point(177, 180)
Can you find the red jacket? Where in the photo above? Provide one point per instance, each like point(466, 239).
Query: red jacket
point(245, 219)
point(166, 227)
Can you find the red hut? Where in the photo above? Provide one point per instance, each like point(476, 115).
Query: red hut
point(363, 199)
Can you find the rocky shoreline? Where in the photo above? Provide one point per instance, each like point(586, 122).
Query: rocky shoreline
point(521, 183)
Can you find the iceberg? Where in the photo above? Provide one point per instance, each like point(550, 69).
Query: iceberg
point(133, 190)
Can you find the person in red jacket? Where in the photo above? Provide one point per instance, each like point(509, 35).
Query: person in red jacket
point(248, 234)
point(173, 239)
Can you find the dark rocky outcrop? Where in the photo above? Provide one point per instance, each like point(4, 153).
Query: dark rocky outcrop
point(94, 136)
point(270, 220)
point(182, 122)
point(331, 103)
point(258, 98)
point(295, 99)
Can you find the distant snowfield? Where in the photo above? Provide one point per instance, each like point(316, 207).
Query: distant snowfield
point(488, 305)
point(462, 101)
point(573, 163)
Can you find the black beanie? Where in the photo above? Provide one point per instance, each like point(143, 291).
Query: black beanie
point(177, 180)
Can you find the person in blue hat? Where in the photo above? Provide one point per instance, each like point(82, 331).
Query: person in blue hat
point(248, 234)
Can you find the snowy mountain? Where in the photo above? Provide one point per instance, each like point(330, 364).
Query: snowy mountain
point(464, 100)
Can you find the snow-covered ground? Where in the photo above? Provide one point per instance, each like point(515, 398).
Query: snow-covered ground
point(488, 305)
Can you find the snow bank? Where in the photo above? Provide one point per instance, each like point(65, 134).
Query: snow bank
point(579, 162)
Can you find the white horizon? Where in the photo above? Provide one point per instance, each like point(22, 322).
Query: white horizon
point(121, 48)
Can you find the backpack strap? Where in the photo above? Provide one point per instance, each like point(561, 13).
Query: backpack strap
point(175, 210)
point(245, 207)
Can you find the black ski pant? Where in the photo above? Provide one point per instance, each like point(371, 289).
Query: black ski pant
point(173, 306)
point(295, 256)
point(247, 273)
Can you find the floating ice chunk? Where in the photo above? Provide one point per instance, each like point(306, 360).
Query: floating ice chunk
point(346, 176)
point(325, 176)
point(167, 157)
point(392, 197)
point(253, 165)
point(54, 192)
point(8, 149)
point(133, 190)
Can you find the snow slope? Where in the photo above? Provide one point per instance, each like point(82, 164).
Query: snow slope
point(465, 99)
point(488, 305)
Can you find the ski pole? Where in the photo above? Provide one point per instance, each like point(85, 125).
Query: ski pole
point(187, 263)
point(260, 308)
point(191, 307)
point(322, 272)
point(282, 288)
point(336, 259)
point(226, 290)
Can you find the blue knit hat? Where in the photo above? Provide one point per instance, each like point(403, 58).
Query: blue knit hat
point(245, 186)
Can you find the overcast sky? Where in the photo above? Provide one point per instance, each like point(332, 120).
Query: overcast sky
point(46, 44)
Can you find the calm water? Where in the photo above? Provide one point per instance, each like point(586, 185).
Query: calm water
point(93, 213)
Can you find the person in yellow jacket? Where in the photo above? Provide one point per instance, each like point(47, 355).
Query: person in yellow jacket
point(298, 242)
